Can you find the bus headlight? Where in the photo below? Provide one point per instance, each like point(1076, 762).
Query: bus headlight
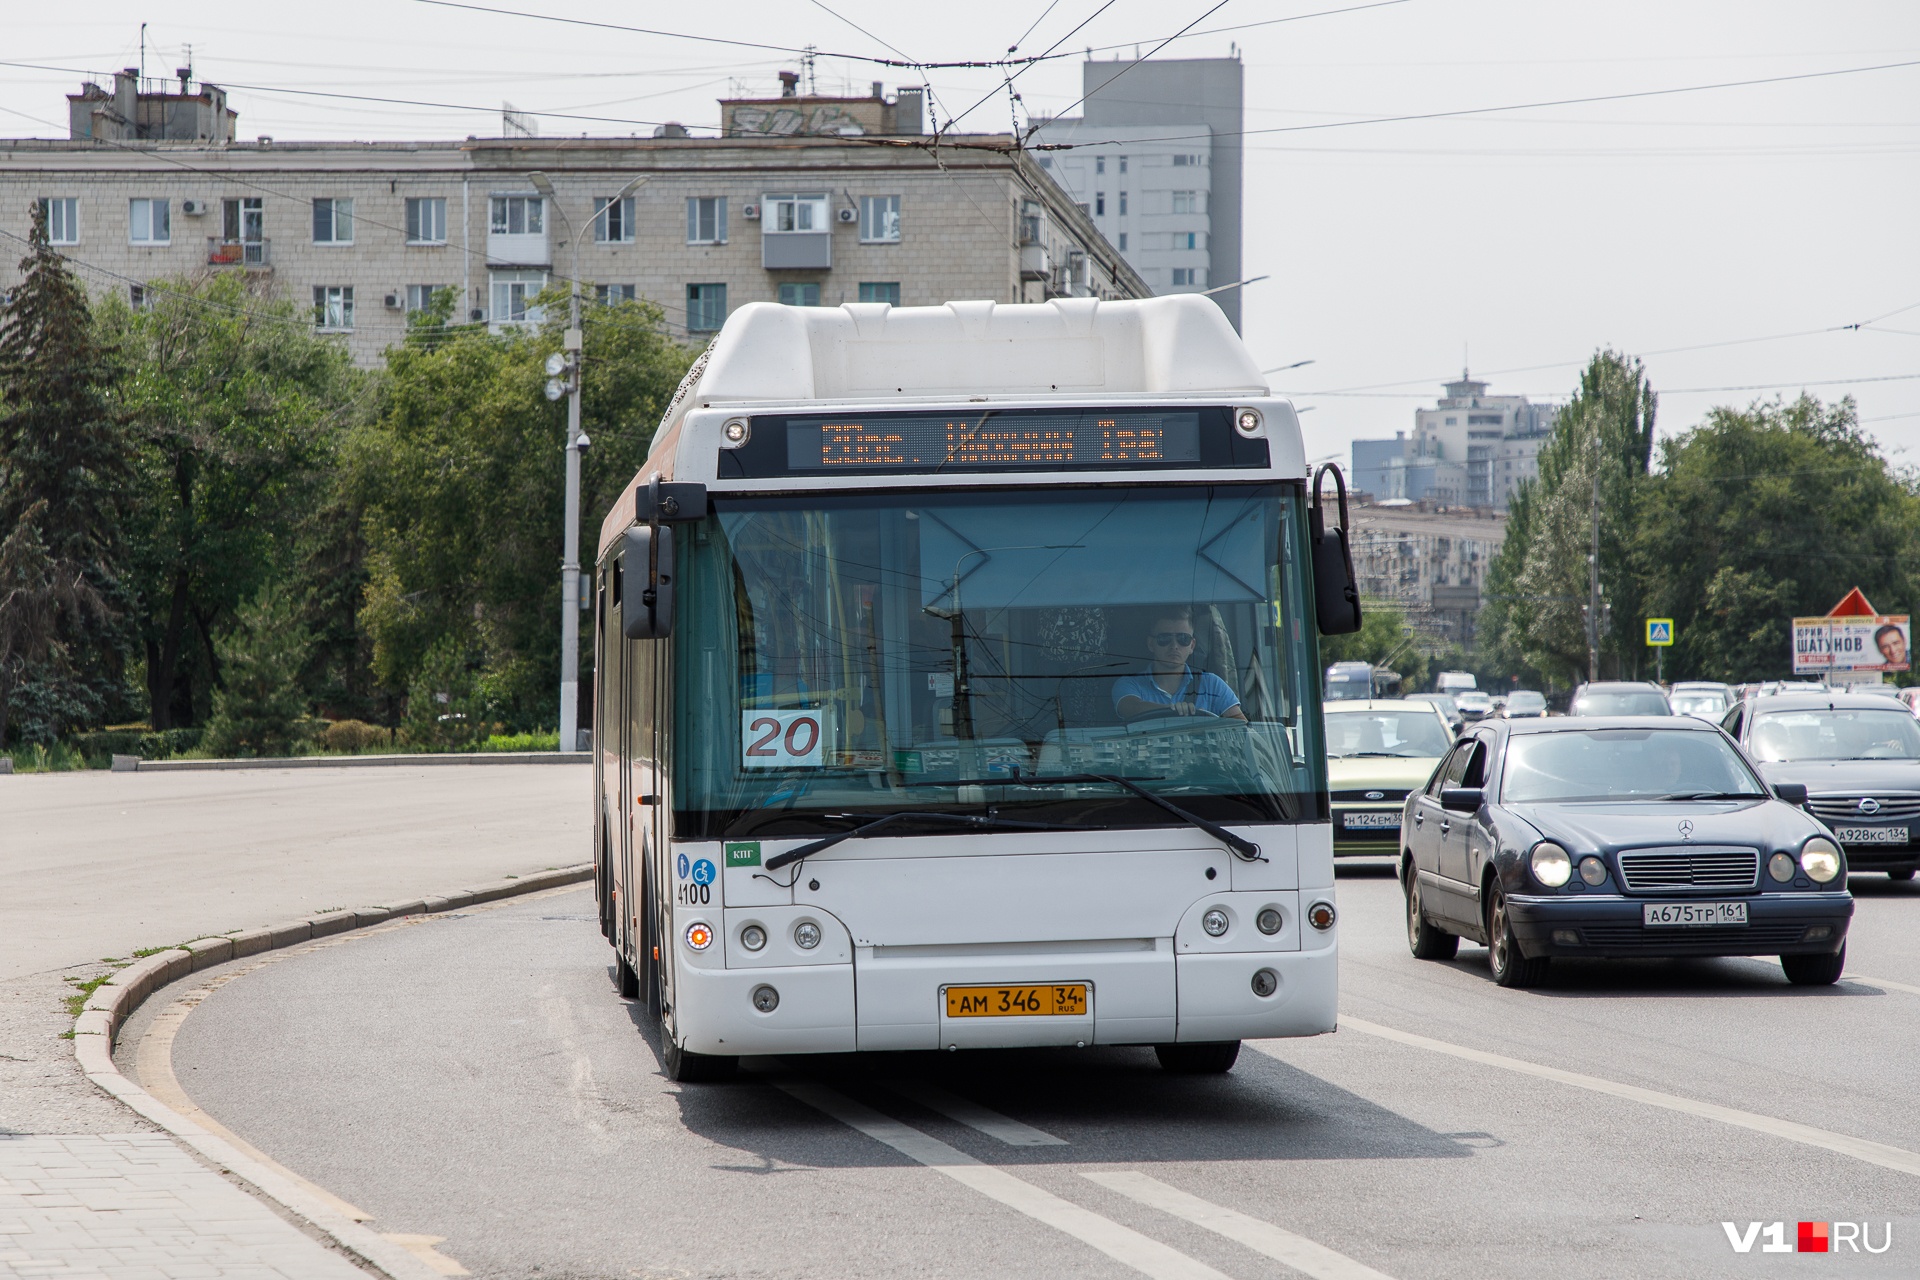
point(1269, 920)
point(699, 935)
point(1321, 916)
point(1551, 865)
point(1214, 922)
point(806, 935)
point(1820, 859)
point(753, 937)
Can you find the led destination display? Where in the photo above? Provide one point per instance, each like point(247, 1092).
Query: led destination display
point(1023, 441)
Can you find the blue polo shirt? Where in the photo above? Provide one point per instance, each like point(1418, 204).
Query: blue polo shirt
point(1203, 689)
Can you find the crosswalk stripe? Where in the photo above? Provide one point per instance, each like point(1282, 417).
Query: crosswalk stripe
point(1278, 1243)
point(970, 1113)
point(1123, 1244)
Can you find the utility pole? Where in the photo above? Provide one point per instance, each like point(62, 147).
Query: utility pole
point(570, 600)
point(1593, 571)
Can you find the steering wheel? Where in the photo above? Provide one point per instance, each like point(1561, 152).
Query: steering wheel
point(1162, 711)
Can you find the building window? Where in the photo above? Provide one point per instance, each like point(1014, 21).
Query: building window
point(150, 221)
point(426, 220)
point(706, 219)
point(1046, 162)
point(606, 294)
point(880, 291)
point(613, 221)
point(880, 219)
point(1183, 276)
point(333, 306)
point(1123, 204)
point(517, 216)
point(1186, 240)
point(139, 298)
point(420, 296)
point(513, 295)
point(1186, 202)
point(796, 213)
point(1123, 164)
point(800, 295)
point(1189, 161)
point(63, 219)
point(707, 307)
point(332, 220)
point(1100, 204)
point(1123, 242)
point(1099, 164)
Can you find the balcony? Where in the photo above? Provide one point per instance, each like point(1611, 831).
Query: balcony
point(796, 250)
point(526, 249)
point(222, 252)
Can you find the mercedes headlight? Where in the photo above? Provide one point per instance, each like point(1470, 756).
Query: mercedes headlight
point(1593, 871)
point(1820, 859)
point(1551, 865)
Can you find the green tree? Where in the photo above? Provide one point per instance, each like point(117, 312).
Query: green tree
point(1384, 640)
point(461, 479)
point(1765, 513)
point(1541, 572)
point(240, 409)
point(259, 708)
point(63, 475)
point(36, 591)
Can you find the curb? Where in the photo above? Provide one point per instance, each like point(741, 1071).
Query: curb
point(134, 764)
point(115, 1000)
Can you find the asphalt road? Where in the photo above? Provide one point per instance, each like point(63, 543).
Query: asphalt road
point(476, 1078)
point(97, 864)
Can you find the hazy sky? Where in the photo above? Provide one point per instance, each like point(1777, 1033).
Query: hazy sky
point(1715, 221)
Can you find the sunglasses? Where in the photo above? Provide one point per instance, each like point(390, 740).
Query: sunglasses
point(1163, 638)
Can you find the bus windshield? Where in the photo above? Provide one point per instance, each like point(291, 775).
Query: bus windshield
point(979, 650)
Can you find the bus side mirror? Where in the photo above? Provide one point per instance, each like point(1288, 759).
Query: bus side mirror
point(646, 583)
point(1336, 593)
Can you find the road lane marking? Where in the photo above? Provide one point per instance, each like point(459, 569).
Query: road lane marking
point(1881, 982)
point(970, 1113)
point(1278, 1243)
point(1123, 1244)
point(1877, 1153)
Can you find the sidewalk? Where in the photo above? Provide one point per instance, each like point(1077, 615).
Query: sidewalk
point(99, 865)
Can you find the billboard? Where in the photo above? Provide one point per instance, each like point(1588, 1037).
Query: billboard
point(1865, 642)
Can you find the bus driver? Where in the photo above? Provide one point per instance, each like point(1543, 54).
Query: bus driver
point(1169, 682)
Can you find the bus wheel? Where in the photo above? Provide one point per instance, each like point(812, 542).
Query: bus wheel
point(1208, 1058)
point(625, 978)
point(688, 1067)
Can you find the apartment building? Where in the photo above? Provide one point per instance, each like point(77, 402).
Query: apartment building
point(1429, 562)
point(1155, 159)
point(804, 200)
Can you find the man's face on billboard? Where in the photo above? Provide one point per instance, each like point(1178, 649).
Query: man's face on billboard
point(1893, 647)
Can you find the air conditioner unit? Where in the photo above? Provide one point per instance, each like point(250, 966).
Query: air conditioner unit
point(849, 215)
point(395, 302)
point(193, 208)
point(750, 212)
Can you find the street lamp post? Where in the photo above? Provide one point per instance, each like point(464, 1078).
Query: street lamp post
point(570, 546)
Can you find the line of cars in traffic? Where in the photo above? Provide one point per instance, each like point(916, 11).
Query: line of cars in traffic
point(1709, 820)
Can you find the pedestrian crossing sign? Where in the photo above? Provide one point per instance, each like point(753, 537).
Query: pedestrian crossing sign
point(1659, 632)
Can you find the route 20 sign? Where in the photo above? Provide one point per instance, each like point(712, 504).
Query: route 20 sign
point(1659, 632)
point(783, 739)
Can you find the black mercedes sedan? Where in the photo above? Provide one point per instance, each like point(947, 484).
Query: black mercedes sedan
point(1617, 836)
point(1858, 756)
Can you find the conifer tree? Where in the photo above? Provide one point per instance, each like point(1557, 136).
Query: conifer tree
point(259, 708)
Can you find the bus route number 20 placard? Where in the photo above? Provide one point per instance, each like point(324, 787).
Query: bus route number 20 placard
point(782, 739)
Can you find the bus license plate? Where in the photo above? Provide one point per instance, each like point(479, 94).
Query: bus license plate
point(1064, 1000)
point(1685, 913)
point(1372, 821)
point(1871, 835)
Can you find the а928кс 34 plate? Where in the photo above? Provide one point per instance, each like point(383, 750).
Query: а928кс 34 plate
point(1054, 1000)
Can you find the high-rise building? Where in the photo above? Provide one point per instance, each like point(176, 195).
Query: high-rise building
point(1472, 449)
point(1155, 160)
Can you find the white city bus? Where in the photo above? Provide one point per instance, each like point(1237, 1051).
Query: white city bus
point(895, 748)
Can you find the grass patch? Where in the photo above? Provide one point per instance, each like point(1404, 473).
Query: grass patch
point(84, 987)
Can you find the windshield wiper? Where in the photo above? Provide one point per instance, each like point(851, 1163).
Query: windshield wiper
point(1366, 755)
point(984, 822)
point(1241, 846)
point(1713, 795)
